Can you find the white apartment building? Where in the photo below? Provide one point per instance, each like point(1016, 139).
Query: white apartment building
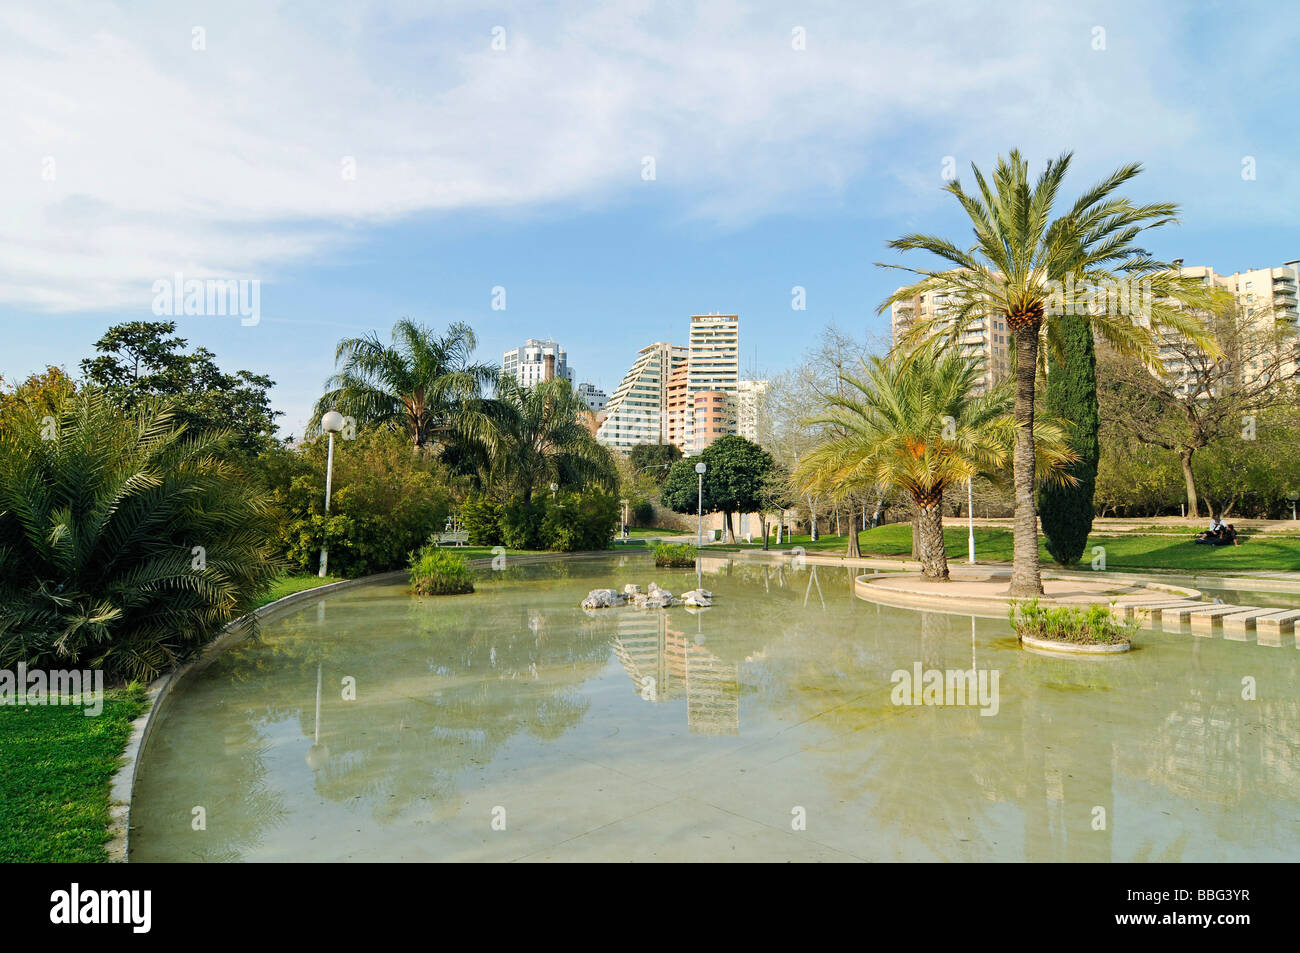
point(637, 410)
point(986, 340)
point(749, 407)
point(528, 364)
point(714, 363)
point(592, 396)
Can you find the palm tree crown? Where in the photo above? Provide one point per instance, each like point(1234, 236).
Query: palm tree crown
point(1027, 266)
point(424, 384)
point(917, 424)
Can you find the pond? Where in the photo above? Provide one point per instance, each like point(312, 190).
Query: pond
point(512, 725)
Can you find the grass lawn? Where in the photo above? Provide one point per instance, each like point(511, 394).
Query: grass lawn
point(56, 765)
point(288, 585)
point(1128, 551)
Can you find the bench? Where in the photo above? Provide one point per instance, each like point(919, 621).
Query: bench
point(452, 537)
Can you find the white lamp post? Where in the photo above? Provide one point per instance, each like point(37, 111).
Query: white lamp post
point(331, 423)
point(699, 509)
point(970, 518)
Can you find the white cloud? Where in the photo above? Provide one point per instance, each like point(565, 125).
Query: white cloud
point(227, 161)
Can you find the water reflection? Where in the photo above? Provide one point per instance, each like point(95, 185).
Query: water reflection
point(698, 732)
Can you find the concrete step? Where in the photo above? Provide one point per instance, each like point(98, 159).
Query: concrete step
point(1274, 625)
point(1153, 610)
point(1211, 616)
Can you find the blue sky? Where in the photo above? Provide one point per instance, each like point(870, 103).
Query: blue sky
point(209, 142)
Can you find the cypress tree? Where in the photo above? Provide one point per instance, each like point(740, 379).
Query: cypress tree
point(1066, 511)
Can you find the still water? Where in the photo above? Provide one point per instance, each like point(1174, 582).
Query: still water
point(512, 725)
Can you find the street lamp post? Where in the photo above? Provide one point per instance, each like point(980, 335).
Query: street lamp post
point(970, 519)
point(331, 423)
point(699, 508)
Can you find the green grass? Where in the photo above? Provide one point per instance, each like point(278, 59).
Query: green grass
point(1127, 551)
point(288, 585)
point(56, 765)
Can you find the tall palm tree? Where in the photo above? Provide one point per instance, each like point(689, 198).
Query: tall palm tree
point(1027, 266)
point(915, 423)
point(528, 437)
point(423, 384)
point(125, 541)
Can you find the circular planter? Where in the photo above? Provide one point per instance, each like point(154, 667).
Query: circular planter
point(1072, 648)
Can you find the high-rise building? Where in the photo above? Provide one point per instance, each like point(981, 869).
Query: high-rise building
point(713, 417)
point(637, 411)
point(986, 340)
point(529, 364)
point(594, 397)
point(749, 408)
point(714, 363)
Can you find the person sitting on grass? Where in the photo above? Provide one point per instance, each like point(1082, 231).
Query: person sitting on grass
point(1214, 534)
point(1230, 536)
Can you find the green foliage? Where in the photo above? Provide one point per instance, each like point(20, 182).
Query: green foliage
point(1066, 508)
point(655, 459)
point(140, 360)
point(1082, 625)
point(568, 522)
point(521, 524)
point(675, 555)
point(576, 522)
point(480, 516)
point(736, 480)
point(385, 502)
point(643, 511)
point(440, 572)
point(126, 542)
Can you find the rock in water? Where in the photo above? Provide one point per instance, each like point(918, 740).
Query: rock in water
point(700, 598)
point(603, 599)
point(631, 589)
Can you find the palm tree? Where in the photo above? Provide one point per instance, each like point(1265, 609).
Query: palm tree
point(915, 423)
point(1027, 266)
point(527, 437)
point(423, 384)
point(125, 541)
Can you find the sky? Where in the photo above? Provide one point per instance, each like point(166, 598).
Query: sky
point(615, 167)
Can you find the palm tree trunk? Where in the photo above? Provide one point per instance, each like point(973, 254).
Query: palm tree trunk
point(1026, 579)
point(934, 559)
point(1185, 457)
point(854, 550)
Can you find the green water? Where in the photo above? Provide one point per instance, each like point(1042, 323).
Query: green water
point(512, 725)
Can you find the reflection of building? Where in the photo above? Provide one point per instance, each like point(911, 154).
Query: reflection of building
point(664, 663)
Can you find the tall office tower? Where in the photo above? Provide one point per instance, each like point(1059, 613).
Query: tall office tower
point(637, 411)
point(529, 365)
point(749, 408)
point(714, 361)
point(985, 340)
point(713, 417)
point(594, 397)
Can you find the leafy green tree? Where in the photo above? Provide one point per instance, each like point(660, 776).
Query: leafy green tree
point(916, 423)
point(43, 393)
point(655, 459)
point(141, 360)
point(1066, 508)
point(1026, 269)
point(424, 385)
point(737, 475)
point(126, 540)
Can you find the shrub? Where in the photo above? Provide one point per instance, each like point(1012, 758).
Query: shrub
point(643, 512)
point(675, 555)
point(521, 524)
point(386, 501)
point(126, 542)
point(575, 522)
point(480, 517)
point(440, 572)
point(1084, 625)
